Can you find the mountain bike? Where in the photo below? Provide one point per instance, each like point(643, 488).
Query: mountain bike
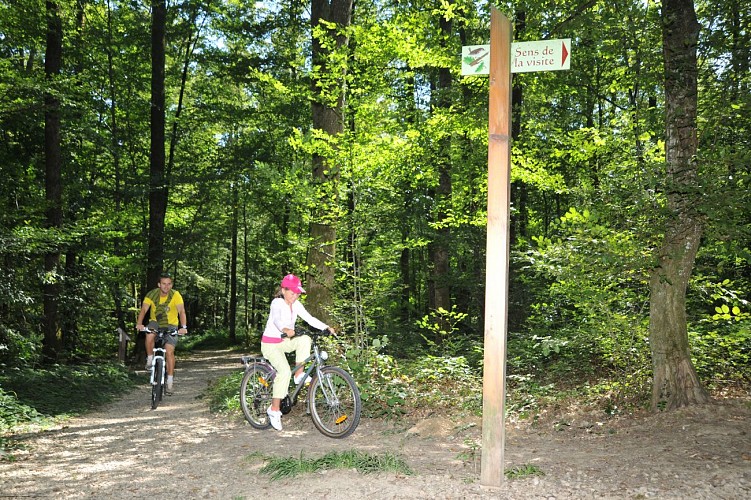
point(333, 399)
point(158, 376)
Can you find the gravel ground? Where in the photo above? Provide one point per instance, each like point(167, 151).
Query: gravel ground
point(127, 451)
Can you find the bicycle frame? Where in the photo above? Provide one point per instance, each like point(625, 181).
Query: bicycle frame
point(317, 364)
point(316, 360)
point(158, 380)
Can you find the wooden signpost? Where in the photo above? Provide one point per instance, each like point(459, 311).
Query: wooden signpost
point(123, 350)
point(501, 58)
point(497, 248)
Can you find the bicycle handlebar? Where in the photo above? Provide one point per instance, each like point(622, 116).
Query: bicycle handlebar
point(169, 331)
point(307, 331)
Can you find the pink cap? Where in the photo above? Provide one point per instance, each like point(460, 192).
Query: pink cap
point(293, 283)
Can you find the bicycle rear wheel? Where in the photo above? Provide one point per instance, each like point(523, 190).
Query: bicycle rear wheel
point(255, 395)
point(334, 402)
point(157, 386)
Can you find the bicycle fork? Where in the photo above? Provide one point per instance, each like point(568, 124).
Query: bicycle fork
point(158, 352)
point(332, 400)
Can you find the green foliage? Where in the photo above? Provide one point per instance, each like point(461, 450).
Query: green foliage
point(722, 353)
point(590, 318)
point(381, 383)
point(7, 447)
point(720, 324)
point(14, 414)
point(525, 395)
point(60, 390)
point(445, 383)
point(223, 395)
point(443, 330)
point(390, 387)
point(16, 348)
point(364, 463)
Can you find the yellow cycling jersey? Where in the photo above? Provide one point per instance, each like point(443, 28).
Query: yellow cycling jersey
point(165, 311)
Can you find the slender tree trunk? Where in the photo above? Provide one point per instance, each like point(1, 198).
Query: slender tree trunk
point(190, 44)
point(327, 118)
point(408, 289)
point(233, 268)
point(519, 217)
point(53, 188)
point(69, 332)
point(675, 381)
point(117, 286)
point(246, 274)
point(158, 186)
point(439, 289)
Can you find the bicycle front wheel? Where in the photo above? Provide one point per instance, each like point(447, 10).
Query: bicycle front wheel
point(334, 402)
point(255, 395)
point(156, 387)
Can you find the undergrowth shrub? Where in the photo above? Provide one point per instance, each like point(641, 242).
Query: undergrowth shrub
point(13, 413)
point(223, 395)
point(64, 390)
point(391, 387)
point(722, 353)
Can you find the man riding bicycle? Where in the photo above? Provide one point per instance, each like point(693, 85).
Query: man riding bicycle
point(167, 308)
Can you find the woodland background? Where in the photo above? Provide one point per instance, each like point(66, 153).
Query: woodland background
point(230, 143)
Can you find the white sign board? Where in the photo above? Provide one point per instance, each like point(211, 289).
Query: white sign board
point(543, 55)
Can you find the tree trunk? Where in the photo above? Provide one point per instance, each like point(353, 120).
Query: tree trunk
point(519, 217)
point(675, 381)
point(117, 288)
point(53, 188)
point(233, 267)
point(327, 114)
point(440, 292)
point(157, 181)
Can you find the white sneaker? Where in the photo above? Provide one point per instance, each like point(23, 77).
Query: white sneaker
point(275, 418)
point(298, 379)
point(169, 384)
point(149, 362)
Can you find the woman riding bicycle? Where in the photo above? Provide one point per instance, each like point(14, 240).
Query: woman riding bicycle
point(284, 310)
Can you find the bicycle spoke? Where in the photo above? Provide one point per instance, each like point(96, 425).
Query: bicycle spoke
point(335, 403)
point(255, 395)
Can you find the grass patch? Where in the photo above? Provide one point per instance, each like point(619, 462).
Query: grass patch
point(365, 463)
point(38, 396)
point(523, 471)
point(223, 395)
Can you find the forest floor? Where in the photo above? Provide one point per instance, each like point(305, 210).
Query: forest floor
point(125, 450)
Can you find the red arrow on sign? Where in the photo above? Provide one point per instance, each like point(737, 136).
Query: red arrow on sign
point(565, 53)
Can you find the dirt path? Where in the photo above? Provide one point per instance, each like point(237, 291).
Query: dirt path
point(180, 450)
